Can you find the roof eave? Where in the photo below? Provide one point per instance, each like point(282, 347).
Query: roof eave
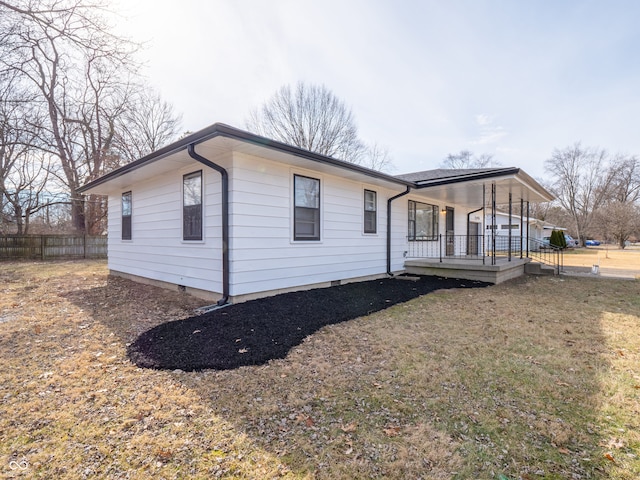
point(220, 129)
point(467, 177)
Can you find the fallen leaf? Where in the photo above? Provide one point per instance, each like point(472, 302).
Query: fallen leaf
point(609, 457)
point(392, 431)
point(243, 350)
point(615, 443)
point(564, 451)
point(349, 428)
point(636, 386)
point(309, 422)
point(621, 353)
point(164, 454)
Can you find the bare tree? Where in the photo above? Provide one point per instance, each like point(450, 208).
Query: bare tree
point(618, 221)
point(309, 117)
point(26, 191)
point(313, 118)
point(377, 157)
point(22, 177)
point(581, 183)
point(625, 184)
point(467, 159)
point(147, 125)
point(63, 52)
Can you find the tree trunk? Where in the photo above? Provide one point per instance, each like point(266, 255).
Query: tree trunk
point(18, 213)
point(77, 214)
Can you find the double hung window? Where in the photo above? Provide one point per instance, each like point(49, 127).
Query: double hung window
point(126, 216)
point(192, 206)
point(370, 211)
point(306, 206)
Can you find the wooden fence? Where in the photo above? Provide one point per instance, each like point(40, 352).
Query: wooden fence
point(52, 246)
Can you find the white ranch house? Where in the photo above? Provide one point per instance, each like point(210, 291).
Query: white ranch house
point(229, 215)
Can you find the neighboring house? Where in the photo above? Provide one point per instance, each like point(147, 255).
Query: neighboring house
point(224, 212)
point(505, 225)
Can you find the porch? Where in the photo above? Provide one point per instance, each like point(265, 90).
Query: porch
point(476, 257)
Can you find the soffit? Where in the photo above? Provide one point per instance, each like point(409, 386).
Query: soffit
point(470, 193)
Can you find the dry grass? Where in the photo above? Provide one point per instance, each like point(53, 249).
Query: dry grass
point(537, 378)
point(611, 259)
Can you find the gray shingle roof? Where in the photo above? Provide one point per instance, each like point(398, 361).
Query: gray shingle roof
point(442, 173)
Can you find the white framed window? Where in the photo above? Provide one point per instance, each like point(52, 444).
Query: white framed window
point(126, 215)
point(192, 206)
point(370, 211)
point(306, 208)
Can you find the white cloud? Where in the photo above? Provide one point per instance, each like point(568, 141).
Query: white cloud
point(483, 119)
point(488, 131)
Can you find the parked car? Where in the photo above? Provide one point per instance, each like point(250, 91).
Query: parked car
point(592, 243)
point(570, 241)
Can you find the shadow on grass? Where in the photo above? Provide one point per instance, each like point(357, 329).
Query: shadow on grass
point(254, 332)
point(469, 384)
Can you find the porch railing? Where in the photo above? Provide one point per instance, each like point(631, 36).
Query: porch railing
point(468, 247)
point(547, 254)
point(480, 248)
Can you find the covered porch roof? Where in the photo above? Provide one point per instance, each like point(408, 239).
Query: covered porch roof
point(469, 187)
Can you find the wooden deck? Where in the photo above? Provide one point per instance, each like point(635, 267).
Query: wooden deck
point(469, 269)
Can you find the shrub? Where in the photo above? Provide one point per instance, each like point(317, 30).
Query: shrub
point(557, 239)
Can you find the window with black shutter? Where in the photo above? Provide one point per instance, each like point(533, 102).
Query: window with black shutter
point(192, 206)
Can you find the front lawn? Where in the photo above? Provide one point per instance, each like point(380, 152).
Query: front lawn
point(537, 378)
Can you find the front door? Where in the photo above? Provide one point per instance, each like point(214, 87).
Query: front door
point(473, 240)
point(449, 235)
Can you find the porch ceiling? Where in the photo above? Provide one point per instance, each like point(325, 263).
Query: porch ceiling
point(470, 193)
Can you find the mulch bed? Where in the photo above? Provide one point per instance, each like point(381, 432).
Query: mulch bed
point(254, 332)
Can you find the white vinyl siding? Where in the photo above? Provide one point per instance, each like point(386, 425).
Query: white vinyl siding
point(158, 250)
point(264, 254)
point(264, 257)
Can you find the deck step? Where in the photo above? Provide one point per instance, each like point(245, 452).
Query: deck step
point(535, 268)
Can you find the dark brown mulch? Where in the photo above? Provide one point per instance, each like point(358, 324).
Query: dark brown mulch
point(254, 332)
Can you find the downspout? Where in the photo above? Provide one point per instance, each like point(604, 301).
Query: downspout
point(468, 222)
point(389, 227)
point(225, 219)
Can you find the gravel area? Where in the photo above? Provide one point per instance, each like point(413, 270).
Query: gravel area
point(254, 332)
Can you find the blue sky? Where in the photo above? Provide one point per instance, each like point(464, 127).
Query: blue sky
point(515, 79)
